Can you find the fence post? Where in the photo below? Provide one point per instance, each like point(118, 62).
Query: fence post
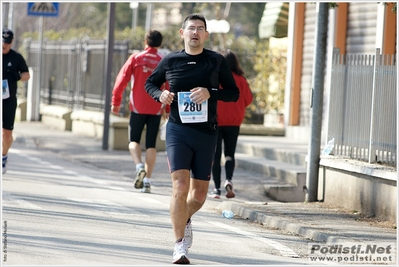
point(335, 61)
point(377, 61)
point(33, 96)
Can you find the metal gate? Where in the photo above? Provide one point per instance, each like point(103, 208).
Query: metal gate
point(363, 109)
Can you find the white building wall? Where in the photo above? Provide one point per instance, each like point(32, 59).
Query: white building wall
point(307, 62)
point(362, 27)
point(364, 35)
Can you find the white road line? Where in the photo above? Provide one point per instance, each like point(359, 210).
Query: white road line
point(95, 201)
point(108, 207)
point(11, 199)
point(96, 181)
point(117, 188)
point(284, 250)
point(56, 167)
point(26, 204)
point(102, 204)
point(150, 200)
point(71, 172)
point(34, 159)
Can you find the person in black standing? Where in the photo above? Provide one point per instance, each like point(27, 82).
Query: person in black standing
point(14, 69)
point(194, 75)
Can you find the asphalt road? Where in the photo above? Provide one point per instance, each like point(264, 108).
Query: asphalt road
point(59, 211)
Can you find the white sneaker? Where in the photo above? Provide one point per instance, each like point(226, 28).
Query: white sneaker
point(140, 174)
point(228, 185)
point(146, 188)
point(188, 235)
point(4, 170)
point(180, 253)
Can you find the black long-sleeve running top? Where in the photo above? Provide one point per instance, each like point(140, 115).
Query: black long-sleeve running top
point(185, 72)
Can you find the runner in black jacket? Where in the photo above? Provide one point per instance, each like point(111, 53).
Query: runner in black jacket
point(14, 69)
point(194, 76)
point(184, 72)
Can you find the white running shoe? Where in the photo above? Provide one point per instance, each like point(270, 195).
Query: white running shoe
point(4, 164)
point(180, 253)
point(215, 193)
point(140, 174)
point(228, 185)
point(188, 235)
point(146, 188)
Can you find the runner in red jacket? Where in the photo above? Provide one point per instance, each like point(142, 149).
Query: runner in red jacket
point(230, 117)
point(144, 110)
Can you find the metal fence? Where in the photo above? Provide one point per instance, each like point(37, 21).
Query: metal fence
point(363, 109)
point(72, 72)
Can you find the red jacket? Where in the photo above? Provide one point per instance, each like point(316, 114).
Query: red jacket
point(137, 69)
point(233, 113)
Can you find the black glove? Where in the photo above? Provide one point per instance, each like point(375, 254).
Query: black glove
point(13, 75)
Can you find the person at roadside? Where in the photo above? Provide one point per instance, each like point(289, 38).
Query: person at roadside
point(194, 75)
point(14, 69)
point(230, 118)
point(144, 111)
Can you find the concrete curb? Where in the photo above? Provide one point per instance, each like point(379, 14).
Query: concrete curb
point(274, 221)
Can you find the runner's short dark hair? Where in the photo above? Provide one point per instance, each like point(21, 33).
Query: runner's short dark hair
point(193, 17)
point(153, 38)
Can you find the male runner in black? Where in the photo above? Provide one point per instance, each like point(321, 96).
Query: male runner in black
point(14, 69)
point(194, 76)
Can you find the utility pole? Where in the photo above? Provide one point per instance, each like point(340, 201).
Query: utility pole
point(11, 17)
point(107, 72)
point(226, 10)
point(135, 9)
point(148, 17)
point(312, 173)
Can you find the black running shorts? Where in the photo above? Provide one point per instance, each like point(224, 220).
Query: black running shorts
point(9, 110)
point(136, 127)
point(190, 149)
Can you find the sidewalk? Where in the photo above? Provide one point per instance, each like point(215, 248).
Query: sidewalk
point(315, 221)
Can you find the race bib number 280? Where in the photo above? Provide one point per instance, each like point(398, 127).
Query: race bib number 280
point(189, 111)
